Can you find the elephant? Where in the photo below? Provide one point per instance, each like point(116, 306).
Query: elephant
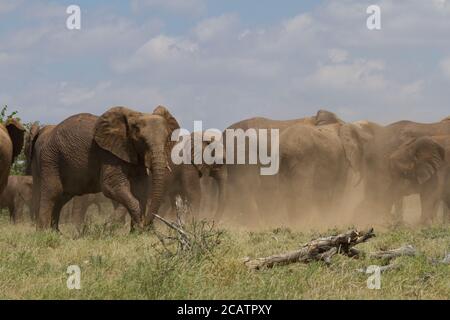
point(16, 196)
point(382, 185)
point(422, 166)
point(185, 180)
point(316, 164)
point(11, 144)
point(112, 153)
point(250, 192)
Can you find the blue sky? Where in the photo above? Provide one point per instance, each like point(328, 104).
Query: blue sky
point(221, 61)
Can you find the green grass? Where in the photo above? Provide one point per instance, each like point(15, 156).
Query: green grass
point(116, 265)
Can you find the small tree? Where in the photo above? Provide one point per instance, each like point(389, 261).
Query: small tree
point(18, 167)
point(4, 117)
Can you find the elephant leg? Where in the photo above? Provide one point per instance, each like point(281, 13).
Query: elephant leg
point(429, 206)
point(399, 210)
point(268, 196)
point(297, 201)
point(29, 204)
point(79, 210)
point(446, 206)
point(192, 194)
point(56, 212)
point(19, 205)
point(99, 208)
point(122, 194)
point(446, 212)
point(120, 214)
point(12, 214)
point(117, 186)
point(48, 192)
point(47, 210)
point(242, 194)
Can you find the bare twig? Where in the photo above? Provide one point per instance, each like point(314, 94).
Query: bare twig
point(395, 253)
point(197, 236)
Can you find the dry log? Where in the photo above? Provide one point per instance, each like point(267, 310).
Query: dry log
point(395, 253)
point(322, 249)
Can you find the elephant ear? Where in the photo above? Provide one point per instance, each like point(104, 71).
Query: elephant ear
point(171, 121)
point(324, 117)
point(353, 141)
point(112, 133)
point(429, 156)
point(16, 132)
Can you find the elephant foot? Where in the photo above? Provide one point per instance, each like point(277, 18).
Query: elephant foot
point(141, 227)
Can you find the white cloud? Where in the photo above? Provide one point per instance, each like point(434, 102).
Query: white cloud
point(7, 59)
point(360, 74)
point(216, 27)
point(337, 55)
point(7, 6)
point(70, 95)
point(224, 69)
point(177, 6)
point(160, 49)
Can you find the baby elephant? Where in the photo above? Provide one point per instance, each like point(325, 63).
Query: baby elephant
point(16, 195)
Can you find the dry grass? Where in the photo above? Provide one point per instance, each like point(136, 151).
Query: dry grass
point(116, 265)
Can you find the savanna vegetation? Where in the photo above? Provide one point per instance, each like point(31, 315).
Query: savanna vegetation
point(118, 265)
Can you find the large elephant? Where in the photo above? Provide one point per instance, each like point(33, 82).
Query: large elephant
point(11, 143)
point(381, 173)
point(111, 154)
point(315, 165)
point(17, 195)
point(248, 191)
point(422, 166)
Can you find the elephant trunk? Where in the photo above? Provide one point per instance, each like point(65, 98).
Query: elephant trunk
point(220, 176)
point(158, 166)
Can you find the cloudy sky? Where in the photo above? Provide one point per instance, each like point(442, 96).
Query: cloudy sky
point(221, 61)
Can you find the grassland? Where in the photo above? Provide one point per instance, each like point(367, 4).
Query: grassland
point(117, 265)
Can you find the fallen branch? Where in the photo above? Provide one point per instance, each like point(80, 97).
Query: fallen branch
point(446, 259)
point(395, 253)
point(382, 268)
point(322, 249)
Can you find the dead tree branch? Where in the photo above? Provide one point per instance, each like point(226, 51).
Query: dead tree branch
point(394, 253)
point(322, 249)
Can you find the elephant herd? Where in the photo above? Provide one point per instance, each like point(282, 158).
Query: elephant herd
point(125, 155)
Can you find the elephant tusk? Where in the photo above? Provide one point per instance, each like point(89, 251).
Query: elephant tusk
point(148, 171)
point(168, 168)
